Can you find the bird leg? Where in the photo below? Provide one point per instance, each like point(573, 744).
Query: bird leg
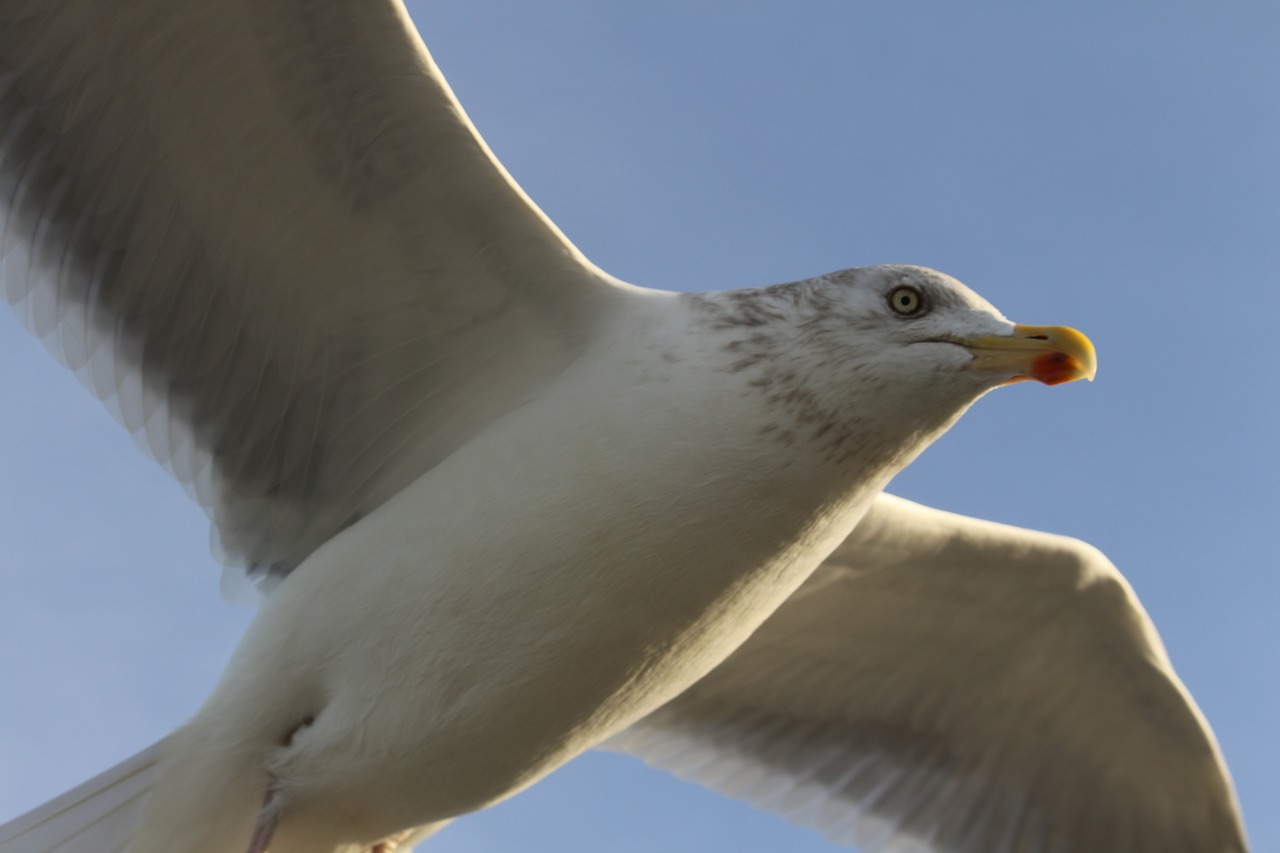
point(265, 826)
point(269, 814)
point(391, 844)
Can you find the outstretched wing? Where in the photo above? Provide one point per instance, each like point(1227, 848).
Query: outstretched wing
point(943, 683)
point(266, 234)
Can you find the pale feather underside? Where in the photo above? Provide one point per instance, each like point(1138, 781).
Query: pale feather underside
point(102, 814)
point(98, 816)
point(265, 234)
point(948, 684)
point(267, 237)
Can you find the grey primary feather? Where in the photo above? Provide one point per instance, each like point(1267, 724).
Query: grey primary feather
point(266, 235)
point(949, 684)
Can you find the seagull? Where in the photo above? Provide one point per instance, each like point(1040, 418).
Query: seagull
point(506, 508)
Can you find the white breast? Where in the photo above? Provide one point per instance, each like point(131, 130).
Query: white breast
point(579, 563)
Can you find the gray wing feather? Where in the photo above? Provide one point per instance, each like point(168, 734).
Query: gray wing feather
point(266, 235)
point(943, 683)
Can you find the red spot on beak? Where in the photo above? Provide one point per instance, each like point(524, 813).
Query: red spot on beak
point(1054, 368)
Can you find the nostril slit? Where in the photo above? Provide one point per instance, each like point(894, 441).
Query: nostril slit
point(1038, 338)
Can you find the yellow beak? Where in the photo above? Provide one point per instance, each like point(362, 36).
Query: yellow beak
point(1050, 354)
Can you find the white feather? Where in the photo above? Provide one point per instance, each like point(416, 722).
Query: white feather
point(99, 816)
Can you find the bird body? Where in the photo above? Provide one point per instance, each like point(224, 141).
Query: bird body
point(509, 508)
point(492, 620)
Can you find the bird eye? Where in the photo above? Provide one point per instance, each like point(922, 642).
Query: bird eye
point(906, 301)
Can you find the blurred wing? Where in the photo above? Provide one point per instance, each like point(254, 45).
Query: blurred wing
point(266, 234)
point(943, 683)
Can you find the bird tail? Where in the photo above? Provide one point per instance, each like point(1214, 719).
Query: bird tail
point(99, 816)
point(104, 814)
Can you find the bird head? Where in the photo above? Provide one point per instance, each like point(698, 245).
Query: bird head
point(876, 362)
point(926, 332)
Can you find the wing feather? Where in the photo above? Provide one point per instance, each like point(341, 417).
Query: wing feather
point(267, 236)
point(950, 684)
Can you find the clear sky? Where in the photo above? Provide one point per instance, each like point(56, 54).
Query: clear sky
point(1107, 166)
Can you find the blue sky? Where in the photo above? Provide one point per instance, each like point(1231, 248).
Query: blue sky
point(1106, 167)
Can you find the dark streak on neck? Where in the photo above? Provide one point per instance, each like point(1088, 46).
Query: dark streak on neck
point(769, 335)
